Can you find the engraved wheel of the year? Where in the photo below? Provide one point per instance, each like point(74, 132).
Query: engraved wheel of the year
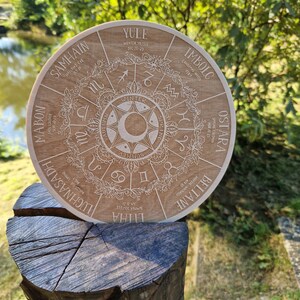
point(130, 121)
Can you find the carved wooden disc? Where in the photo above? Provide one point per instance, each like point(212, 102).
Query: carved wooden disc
point(130, 121)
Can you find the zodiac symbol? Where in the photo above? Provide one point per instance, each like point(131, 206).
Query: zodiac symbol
point(118, 176)
point(185, 139)
point(169, 167)
point(171, 90)
point(94, 86)
point(147, 81)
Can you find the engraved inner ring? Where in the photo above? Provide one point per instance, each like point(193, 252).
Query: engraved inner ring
point(132, 127)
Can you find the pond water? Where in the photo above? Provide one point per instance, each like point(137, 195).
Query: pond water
point(21, 57)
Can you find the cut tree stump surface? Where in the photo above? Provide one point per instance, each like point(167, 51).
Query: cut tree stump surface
point(64, 258)
point(36, 200)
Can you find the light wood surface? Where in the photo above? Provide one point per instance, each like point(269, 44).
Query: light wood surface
point(61, 258)
point(130, 121)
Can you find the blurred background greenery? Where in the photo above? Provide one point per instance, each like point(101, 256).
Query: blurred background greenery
point(256, 44)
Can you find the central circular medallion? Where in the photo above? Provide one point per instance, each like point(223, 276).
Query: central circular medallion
point(135, 124)
point(132, 127)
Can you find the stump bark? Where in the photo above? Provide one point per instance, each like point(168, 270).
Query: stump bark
point(62, 257)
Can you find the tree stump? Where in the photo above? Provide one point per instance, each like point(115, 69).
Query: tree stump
point(62, 257)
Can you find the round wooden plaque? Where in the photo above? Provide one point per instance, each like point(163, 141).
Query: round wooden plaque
point(130, 121)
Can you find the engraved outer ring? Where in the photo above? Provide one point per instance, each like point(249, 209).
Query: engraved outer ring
point(71, 191)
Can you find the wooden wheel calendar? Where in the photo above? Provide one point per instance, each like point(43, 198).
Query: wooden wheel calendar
point(130, 121)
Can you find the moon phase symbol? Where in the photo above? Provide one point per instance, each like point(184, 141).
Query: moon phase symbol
point(130, 125)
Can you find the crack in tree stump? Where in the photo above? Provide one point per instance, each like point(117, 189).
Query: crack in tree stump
point(62, 257)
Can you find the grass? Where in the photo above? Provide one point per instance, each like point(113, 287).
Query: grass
point(15, 176)
point(228, 271)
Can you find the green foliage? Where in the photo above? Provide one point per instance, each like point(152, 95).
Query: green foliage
point(256, 43)
point(289, 296)
point(27, 12)
point(8, 150)
point(292, 209)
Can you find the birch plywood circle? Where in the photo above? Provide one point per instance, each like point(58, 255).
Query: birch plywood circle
point(130, 121)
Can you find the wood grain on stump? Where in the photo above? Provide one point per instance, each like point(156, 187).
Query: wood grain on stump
point(64, 258)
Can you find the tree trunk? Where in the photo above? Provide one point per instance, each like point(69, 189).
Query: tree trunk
point(62, 257)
